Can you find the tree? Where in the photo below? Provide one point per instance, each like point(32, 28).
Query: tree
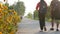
point(7, 4)
point(35, 14)
point(11, 7)
point(29, 15)
point(48, 13)
point(20, 8)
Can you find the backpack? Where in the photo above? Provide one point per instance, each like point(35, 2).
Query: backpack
point(43, 7)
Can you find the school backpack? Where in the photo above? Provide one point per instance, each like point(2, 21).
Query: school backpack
point(43, 7)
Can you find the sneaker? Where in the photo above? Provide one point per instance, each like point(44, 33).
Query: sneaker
point(45, 29)
point(57, 29)
point(52, 29)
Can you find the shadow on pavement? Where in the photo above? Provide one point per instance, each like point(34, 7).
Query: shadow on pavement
point(41, 33)
point(54, 32)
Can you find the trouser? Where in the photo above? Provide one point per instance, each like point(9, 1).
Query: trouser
point(52, 22)
point(41, 20)
point(57, 22)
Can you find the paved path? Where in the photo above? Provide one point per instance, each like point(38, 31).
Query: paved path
point(28, 26)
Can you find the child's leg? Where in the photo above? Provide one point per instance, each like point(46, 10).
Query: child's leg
point(40, 21)
point(52, 24)
point(43, 20)
point(57, 25)
point(41, 24)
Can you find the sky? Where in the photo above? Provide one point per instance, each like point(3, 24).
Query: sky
point(30, 5)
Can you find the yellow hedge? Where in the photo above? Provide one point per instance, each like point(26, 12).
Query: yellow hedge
point(8, 20)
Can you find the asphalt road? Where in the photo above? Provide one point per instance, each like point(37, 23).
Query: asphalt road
point(28, 26)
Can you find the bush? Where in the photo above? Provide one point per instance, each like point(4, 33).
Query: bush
point(8, 20)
